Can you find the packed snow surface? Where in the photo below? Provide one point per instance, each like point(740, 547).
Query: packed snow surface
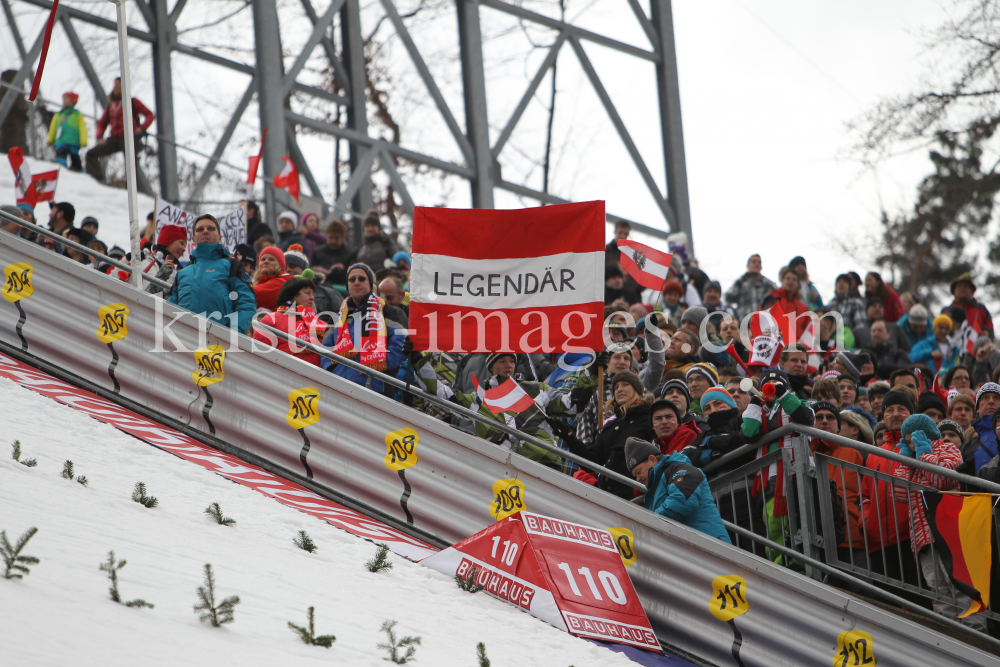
point(61, 613)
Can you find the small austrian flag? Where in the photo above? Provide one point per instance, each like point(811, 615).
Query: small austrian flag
point(288, 179)
point(45, 184)
point(508, 397)
point(647, 265)
point(24, 187)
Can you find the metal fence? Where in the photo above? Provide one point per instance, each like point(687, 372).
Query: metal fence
point(835, 516)
point(451, 492)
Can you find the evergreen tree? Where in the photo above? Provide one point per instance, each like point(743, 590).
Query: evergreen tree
point(468, 582)
point(393, 646)
point(216, 615)
point(380, 562)
point(16, 455)
point(215, 512)
point(481, 655)
point(139, 496)
point(82, 479)
point(303, 541)
point(15, 565)
point(308, 635)
point(68, 469)
point(111, 567)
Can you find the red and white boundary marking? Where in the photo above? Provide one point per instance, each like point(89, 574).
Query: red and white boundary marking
point(230, 467)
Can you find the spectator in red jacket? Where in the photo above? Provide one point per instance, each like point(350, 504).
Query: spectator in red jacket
point(270, 277)
point(295, 315)
point(671, 434)
point(114, 118)
point(893, 307)
point(788, 303)
point(962, 288)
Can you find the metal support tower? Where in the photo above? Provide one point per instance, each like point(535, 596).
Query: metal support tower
point(278, 90)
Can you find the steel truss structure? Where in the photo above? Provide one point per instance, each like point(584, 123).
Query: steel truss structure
point(479, 164)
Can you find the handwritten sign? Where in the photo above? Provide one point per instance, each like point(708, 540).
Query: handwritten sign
point(303, 407)
point(210, 365)
point(508, 498)
point(854, 648)
point(401, 449)
point(17, 281)
point(625, 543)
point(232, 225)
point(729, 597)
point(113, 322)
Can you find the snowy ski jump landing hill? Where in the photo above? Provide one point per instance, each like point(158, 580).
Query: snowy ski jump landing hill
point(61, 613)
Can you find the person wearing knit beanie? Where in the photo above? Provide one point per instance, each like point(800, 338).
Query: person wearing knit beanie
point(495, 357)
point(274, 252)
point(638, 451)
point(948, 426)
point(826, 406)
point(896, 397)
point(943, 319)
point(699, 378)
point(269, 277)
point(630, 378)
point(922, 431)
point(713, 396)
point(170, 234)
point(677, 392)
point(295, 259)
point(930, 404)
point(989, 406)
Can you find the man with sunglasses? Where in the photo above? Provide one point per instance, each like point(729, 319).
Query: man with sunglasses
point(214, 284)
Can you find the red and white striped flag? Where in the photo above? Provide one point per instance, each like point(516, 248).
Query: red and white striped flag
point(45, 185)
point(24, 186)
point(288, 179)
point(969, 334)
point(254, 166)
point(529, 280)
point(647, 265)
point(508, 397)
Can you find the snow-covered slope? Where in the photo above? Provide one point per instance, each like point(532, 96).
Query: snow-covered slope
point(61, 614)
point(109, 205)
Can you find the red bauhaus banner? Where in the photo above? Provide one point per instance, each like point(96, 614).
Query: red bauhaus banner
point(568, 575)
point(528, 280)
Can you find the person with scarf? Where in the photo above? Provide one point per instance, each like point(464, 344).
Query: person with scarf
point(270, 277)
point(886, 518)
point(295, 316)
point(548, 401)
point(165, 257)
point(362, 333)
point(760, 418)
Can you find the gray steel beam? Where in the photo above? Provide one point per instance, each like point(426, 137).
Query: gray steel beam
point(175, 13)
point(7, 101)
point(220, 147)
point(477, 125)
point(580, 33)
point(397, 181)
point(515, 118)
point(668, 87)
point(358, 177)
point(357, 112)
point(270, 76)
point(313, 91)
point(343, 80)
point(81, 55)
point(647, 26)
point(318, 33)
point(9, 13)
point(94, 20)
point(147, 14)
point(163, 83)
point(428, 79)
point(214, 59)
point(626, 138)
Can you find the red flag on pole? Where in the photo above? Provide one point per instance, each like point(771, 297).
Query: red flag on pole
point(288, 179)
point(45, 51)
point(24, 186)
point(647, 265)
point(254, 165)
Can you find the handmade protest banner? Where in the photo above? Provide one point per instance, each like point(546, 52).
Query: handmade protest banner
point(527, 280)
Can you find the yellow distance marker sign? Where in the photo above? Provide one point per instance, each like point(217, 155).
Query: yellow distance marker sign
point(401, 449)
point(625, 543)
point(211, 362)
point(729, 597)
point(508, 498)
point(113, 322)
point(854, 648)
point(17, 281)
point(303, 407)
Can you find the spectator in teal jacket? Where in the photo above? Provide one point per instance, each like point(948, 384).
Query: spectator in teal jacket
point(675, 488)
point(214, 284)
point(938, 351)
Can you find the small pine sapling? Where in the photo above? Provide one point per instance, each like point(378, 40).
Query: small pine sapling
point(303, 541)
point(16, 455)
point(468, 582)
point(215, 512)
point(308, 635)
point(139, 496)
point(481, 655)
point(216, 615)
point(15, 565)
point(111, 567)
point(67, 472)
point(380, 562)
point(393, 646)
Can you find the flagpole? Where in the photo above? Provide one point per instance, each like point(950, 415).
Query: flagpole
point(133, 199)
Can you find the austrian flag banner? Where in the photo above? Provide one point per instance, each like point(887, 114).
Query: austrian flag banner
point(528, 280)
point(647, 265)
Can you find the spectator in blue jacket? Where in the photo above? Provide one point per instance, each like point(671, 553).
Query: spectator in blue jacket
point(214, 284)
point(675, 488)
point(987, 402)
point(363, 334)
point(938, 351)
point(914, 325)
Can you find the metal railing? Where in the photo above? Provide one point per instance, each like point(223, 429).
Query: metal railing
point(41, 231)
point(822, 492)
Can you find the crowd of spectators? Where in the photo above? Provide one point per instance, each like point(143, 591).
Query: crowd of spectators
point(893, 376)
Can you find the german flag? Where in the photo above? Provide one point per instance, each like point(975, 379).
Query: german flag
point(961, 529)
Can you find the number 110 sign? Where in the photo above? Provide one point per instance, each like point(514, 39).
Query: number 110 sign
point(569, 575)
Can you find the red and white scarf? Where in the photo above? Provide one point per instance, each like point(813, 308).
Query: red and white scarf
point(777, 469)
point(373, 334)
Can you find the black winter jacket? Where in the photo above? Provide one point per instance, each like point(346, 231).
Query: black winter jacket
point(608, 449)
